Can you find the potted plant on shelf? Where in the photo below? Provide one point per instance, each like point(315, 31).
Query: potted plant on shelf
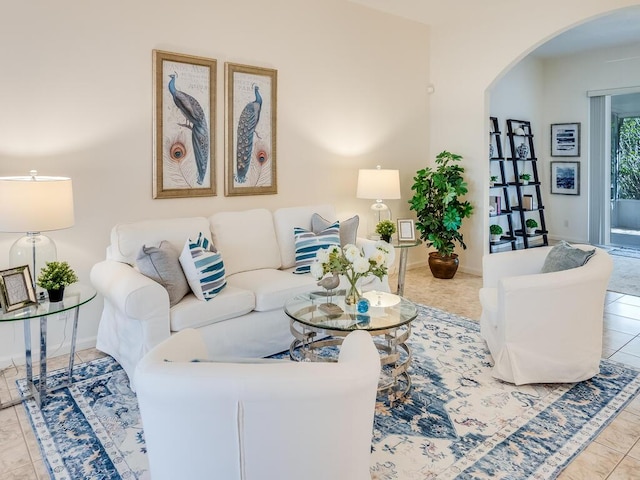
point(496, 232)
point(492, 180)
point(54, 277)
point(440, 211)
point(385, 229)
point(525, 177)
point(531, 225)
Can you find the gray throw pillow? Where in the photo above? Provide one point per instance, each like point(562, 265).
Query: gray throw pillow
point(563, 256)
point(348, 228)
point(161, 264)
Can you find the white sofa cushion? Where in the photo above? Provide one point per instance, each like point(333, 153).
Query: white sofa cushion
point(128, 238)
point(246, 240)
point(272, 287)
point(286, 219)
point(193, 313)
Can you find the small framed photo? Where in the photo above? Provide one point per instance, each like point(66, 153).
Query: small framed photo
point(565, 178)
point(16, 288)
point(406, 230)
point(565, 140)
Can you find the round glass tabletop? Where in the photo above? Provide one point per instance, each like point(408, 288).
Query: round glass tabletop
point(322, 311)
point(75, 295)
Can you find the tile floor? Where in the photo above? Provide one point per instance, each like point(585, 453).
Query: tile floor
point(613, 455)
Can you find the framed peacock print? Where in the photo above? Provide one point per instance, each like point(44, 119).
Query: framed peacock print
point(250, 111)
point(184, 125)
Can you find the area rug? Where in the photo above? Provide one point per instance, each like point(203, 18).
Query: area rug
point(458, 422)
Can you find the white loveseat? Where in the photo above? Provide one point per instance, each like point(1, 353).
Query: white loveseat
point(246, 319)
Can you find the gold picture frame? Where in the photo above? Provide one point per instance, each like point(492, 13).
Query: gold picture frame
point(16, 288)
point(250, 123)
point(184, 125)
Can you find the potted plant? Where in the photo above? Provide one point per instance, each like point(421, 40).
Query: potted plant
point(492, 180)
point(525, 177)
point(54, 277)
point(385, 229)
point(531, 225)
point(440, 211)
point(496, 231)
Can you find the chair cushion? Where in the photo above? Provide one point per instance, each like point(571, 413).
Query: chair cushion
point(162, 265)
point(308, 244)
point(564, 256)
point(348, 228)
point(203, 267)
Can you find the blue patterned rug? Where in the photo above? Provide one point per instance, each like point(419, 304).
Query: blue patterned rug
point(458, 422)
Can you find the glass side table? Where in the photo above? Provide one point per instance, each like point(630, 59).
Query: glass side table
point(402, 270)
point(75, 296)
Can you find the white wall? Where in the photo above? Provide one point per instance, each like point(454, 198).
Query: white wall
point(472, 46)
point(77, 101)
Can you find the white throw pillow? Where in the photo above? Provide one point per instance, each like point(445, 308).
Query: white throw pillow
point(203, 267)
point(308, 244)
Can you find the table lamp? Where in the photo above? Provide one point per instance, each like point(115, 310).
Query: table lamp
point(34, 204)
point(378, 184)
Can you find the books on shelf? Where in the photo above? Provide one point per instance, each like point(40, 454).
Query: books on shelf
point(494, 205)
point(527, 202)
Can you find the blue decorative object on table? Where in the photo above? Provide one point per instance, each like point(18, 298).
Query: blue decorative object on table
point(363, 305)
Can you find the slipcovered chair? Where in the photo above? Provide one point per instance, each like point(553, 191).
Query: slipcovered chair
point(264, 420)
point(544, 327)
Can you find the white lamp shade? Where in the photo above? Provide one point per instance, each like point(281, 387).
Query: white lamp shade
point(378, 184)
point(35, 204)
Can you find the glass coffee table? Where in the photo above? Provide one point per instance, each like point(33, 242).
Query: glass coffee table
point(319, 321)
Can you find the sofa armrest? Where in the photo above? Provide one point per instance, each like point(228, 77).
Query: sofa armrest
point(130, 292)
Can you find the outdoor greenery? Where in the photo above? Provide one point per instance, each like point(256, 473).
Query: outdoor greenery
point(628, 156)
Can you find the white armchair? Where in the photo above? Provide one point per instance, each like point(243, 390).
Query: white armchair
point(543, 327)
point(265, 420)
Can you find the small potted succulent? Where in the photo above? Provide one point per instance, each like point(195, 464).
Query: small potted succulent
point(54, 277)
point(492, 180)
point(496, 232)
point(385, 229)
point(531, 225)
point(525, 177)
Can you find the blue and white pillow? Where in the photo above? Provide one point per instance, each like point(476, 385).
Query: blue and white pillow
point(308, 244)
point(203, 267)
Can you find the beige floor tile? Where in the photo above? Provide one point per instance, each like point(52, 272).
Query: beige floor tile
point(621, 324)
point(632, 348)
point(13, 455)
point(25, 472)
point(627, 469)
point(607, 352)
point(596, 462)
point(612, 297)
point(90, 354)
point(614, 340)
point(622, 433)
point(634, 406)
point(629, 300)
point(41, 470)
point(635, 451)
point(623, 309)
point(631, 360)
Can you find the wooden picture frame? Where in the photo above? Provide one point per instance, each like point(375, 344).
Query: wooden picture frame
point(184, 125)
point(250, 123)
point(565, 178)
point(565, 140)
point(16, 288)
point(406, 230)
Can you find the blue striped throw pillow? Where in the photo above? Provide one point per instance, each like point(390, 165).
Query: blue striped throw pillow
point(308, 244)
point(203, 267)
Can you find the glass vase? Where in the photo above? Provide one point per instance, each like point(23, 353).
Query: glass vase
point(353, 293)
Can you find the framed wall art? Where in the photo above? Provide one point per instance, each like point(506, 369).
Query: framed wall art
point(250, 111)
point(16, 288)
point(565, 140)
point(565, 178)
point(184, 125)
point(406, 230)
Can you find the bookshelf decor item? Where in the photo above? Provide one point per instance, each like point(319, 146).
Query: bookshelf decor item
point(565, 140)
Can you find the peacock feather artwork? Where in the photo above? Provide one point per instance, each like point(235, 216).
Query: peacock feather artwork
point(196, 122)
point(245, 133)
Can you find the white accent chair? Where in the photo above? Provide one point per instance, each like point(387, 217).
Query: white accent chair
point(543, 327)
point(265, 420)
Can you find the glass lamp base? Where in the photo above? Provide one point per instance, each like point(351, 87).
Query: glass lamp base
point(34, 250)
point(378, 212)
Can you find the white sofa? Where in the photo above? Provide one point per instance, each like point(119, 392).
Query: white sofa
point(543, 327)
point(272, 421)
point(246, 319)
